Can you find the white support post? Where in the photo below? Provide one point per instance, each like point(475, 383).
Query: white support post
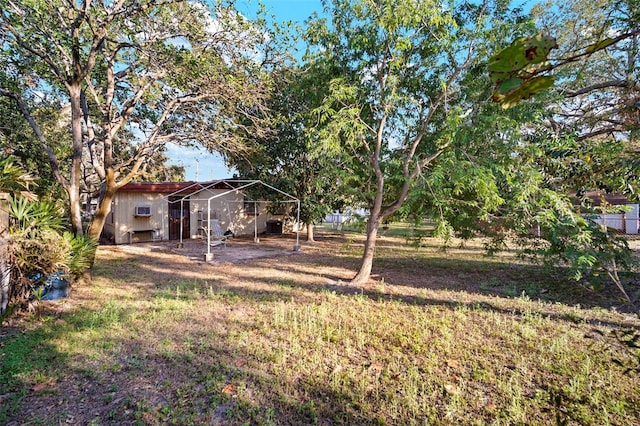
point(208, 257)
point(256, 214)
point(181, 245)
point(296, 247)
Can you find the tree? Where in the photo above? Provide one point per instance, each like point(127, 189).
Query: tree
point(595, 62)
point(396, 107)
point(600, 91)
point(17, 141)
point(551, 151)
point(157, 170)
point(136, 74)
point(289, 157)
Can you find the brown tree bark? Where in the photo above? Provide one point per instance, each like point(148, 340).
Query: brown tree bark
point(366, 265)
point(310, 232)
point(104, 206)
point(73, 188)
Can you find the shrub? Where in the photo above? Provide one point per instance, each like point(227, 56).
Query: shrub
point(37, 246)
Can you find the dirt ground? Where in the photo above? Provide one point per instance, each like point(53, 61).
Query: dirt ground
point(236, 249)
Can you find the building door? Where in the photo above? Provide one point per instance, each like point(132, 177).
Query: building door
point(179, 213)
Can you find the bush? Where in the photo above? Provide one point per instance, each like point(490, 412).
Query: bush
point(37, 246)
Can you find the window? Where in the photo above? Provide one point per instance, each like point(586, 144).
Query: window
point(250, 208)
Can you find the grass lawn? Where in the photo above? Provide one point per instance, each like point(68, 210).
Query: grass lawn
point(436, 337)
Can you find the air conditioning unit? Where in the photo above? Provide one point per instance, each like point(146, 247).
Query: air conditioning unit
point(144, 211)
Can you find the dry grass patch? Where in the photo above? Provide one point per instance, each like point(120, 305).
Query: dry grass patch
point(435, 338)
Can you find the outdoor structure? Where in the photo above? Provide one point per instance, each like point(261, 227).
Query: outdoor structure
point(147, 211)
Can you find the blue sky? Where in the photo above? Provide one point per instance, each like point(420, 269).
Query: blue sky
point(284, 10)
point(201, 165)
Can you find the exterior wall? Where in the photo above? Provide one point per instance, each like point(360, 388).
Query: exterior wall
point(124, 227)
point(229, 210)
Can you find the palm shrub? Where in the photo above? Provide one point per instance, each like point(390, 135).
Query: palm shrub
point(14, 179)
point(36, 243)
point(82, 253)
point(38, 246)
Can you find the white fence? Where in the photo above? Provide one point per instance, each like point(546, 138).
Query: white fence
point(626, 222)
point(346, 216)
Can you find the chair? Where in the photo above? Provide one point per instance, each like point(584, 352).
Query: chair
point(215, 231)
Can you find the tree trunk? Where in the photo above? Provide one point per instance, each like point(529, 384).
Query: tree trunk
point(76, 159)
point(99, 218)
point(5, 276)
point(5, 285)
point(310, 229)
point(366, 265)
point(103, 208)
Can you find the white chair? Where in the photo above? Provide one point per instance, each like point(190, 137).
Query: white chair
point(214, 230)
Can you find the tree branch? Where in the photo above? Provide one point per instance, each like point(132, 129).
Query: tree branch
point(22, 107)
point(599, 86)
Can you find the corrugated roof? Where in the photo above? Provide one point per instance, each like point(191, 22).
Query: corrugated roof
point(171, 187)
point(155, 187)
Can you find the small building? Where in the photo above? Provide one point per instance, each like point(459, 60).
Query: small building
point(160, 211)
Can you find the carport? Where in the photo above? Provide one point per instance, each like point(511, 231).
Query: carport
point(235, 186)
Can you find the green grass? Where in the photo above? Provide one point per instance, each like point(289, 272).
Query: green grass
point(438, 338)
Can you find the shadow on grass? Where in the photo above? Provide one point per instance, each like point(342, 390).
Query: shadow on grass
point(473, 277)
point(135, 381)
point(487, 295)
point(24, 355)
point(407, 274)
point(206, 375)
point(32, 365)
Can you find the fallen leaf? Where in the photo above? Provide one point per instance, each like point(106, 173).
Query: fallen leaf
point(451, 388)
point(240, 362)
point(375, 367)
point(229, 389)
point(39, 387)
point(452, 363)
point(491, 407)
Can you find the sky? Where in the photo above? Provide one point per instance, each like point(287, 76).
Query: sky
point(199, 164)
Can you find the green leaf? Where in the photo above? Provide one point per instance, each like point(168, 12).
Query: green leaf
point(521, 52)
point(509, 85)
point(524, 56)
point(526, 90)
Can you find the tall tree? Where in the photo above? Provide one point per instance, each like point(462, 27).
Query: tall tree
point(597, 113)
point(290, 157)
point(17, 140)
point(590, 135)
point(594, 62)
point(157, 170)
point(136, 74)
point(397, 105)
